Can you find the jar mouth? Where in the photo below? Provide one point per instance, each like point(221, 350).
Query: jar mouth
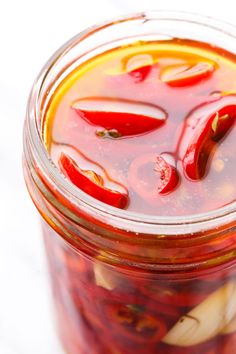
point(132, 221)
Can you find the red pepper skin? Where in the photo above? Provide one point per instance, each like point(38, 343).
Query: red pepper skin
point(91, 183)
point(210, 347)
point(208, 131)
point(230, 344)
point(187, 295)
point(202, 131)
point(164, 165)
point(126, 117)
point(137, 326)
point(186, 74)
point(141, 73)
point(168, 174)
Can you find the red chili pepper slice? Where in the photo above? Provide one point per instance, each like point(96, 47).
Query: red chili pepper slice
point(136, 325)
point(203, 348)
point(126, 117)
point(186, 74)
point(143, 179)
point(229, 344)
point(168, 173)
point(91, 183)
point(137, 298)
point(141, 73)
point(138, 66)
point(185, 297)
point(204, 135)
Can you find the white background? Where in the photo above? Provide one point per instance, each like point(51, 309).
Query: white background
point(30, 31)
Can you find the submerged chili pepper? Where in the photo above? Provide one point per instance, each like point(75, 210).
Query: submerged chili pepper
point(203, 133)
point(229, 344)
point(135, 324)
point(185, 296)
point(126, 117)
point(168, 173)
point(186, 74)
point(91, 183)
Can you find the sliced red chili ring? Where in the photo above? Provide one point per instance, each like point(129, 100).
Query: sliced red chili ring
point(186, 74)
point(147, 186)
point(229, 344)
point(131, 292)
point(137, 299)
point(174, 297)
point(169, 177)
point(91, 183)
point(126, 117)
point(136, 325)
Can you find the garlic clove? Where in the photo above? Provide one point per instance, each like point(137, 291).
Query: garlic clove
point(206, 320)
point(230, 327)
point(104, 277)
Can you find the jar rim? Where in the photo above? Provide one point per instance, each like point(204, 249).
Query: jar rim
point(132, 221)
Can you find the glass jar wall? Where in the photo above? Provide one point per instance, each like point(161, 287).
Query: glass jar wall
point(125, 282)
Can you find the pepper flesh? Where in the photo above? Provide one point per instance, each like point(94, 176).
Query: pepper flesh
point(126, 117)
point(91, 183)
point(141, 73)
point(168, 174)
point(134, 324)
point(208, 131)
point(186, 74)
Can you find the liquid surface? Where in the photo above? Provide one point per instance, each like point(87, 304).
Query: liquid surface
point(150, 126)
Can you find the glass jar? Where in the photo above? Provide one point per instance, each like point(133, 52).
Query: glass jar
point(123, 282)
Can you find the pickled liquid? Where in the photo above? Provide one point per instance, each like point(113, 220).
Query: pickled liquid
point(174, 100)
point(135, 78)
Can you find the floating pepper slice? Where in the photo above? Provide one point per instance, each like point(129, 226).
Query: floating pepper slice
point(185, 296)
point(137, 66)
point(134, 323)
point(203, 135)
point(186, 74)
point(146, 185)
point(229, 344)
point(91, 183)
point(140, 74)
point(126, 117)
point(168, 173)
